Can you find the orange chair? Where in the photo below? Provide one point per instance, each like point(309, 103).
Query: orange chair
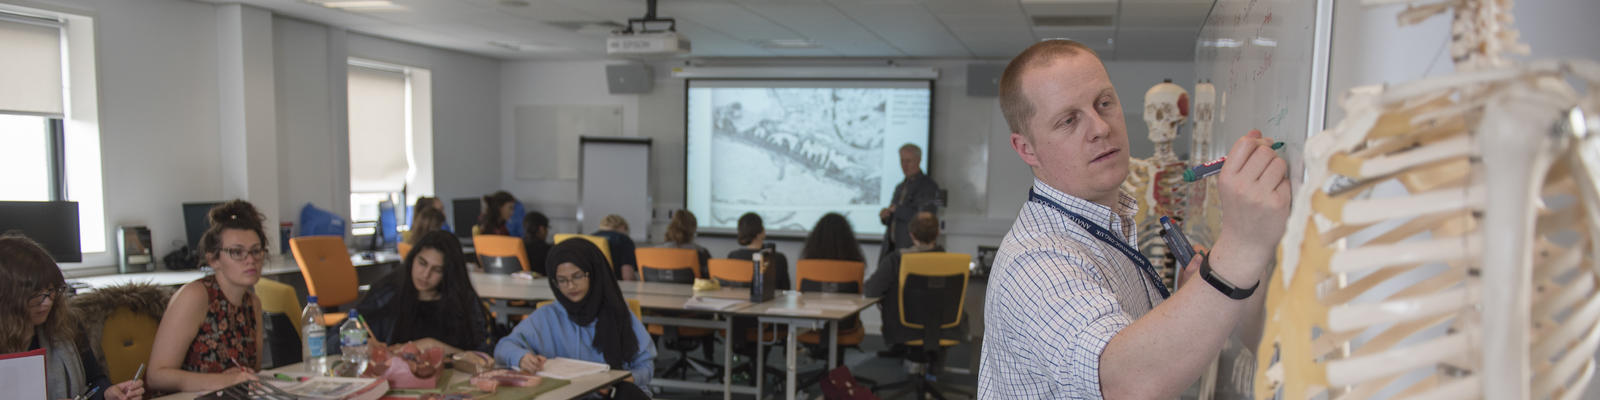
point(668, 265)
point(737, 273)
point(677, 266)
point(325, 263)
point(495, 253)
point(833, 276)
point(404, 249)
point(605, 247)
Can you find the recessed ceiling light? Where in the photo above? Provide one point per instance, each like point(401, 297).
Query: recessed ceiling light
point(527, 47)
point(360, 5)
point(790, 44)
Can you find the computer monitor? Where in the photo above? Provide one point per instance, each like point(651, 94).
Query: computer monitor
point(195, 221)
point(466, 215)
point(54, 224)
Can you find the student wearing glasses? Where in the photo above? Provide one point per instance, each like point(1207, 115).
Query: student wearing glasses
point(35, 314)
point(589, 320)
point(210, 336)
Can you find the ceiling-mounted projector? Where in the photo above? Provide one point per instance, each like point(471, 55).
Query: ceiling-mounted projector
point(652, 43)
point(645, 40)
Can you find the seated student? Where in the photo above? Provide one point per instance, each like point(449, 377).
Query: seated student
point(497, 208)
point(36, 315)
point(210, 335)
point(885, 282)
point(833, 239)
point(753, 235)
point(589, 320)
point(615, 230)
point(429, 300)
point(680, 235)
point(426, 220)
point(535, 229)
point(430, 202)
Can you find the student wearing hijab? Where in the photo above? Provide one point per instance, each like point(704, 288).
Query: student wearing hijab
point(589, 320)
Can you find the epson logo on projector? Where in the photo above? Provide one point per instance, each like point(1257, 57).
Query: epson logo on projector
point(651, 43)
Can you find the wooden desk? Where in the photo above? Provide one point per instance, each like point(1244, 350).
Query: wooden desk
point(576, 388)
point(795, 309)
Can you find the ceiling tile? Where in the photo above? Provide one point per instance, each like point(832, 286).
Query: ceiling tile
point(824, 24)
point(908, 27)
point(730, 20)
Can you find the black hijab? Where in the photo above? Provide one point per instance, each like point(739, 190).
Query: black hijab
point(613, 333)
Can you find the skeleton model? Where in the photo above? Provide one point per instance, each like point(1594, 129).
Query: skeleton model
point(1202, 194)
point(1157, 182)
point(1480, 278)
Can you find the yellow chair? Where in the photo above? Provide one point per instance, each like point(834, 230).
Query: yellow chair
point(673, 265)
point(731, 272)
point(278, 297)
point(541, 304)
point(677, 266)
point(325, 263)
point(495, 251)
point(932, 294)
point(605, 247)
point(126, 342)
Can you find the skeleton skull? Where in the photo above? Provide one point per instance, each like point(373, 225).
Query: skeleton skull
point(1166, 106)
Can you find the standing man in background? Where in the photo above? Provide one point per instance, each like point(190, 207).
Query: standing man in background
point(1073, 310)
point(917, 193)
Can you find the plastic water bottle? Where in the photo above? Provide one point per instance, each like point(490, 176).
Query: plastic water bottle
point(353, 343)
point(311, 329)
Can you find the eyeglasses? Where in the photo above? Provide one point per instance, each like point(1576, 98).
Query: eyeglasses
point(51, 293)
point(239, 253)
point(572, 281)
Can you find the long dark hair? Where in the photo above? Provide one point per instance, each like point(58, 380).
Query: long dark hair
point(456, 297)
point(490, 221)
point(832, 239)
point(26, 269)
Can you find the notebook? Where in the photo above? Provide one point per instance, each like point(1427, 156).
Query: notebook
point(567, 368)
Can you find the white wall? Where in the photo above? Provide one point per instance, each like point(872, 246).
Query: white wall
point(160, 89)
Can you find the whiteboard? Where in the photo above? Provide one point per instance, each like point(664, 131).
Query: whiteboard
point(1267, 59)
point(538, 126)
point(615, 179)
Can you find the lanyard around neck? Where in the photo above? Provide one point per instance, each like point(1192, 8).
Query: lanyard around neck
point(1106, 236)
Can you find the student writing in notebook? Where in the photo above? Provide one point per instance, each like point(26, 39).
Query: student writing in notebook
point(589, 320)
point(34, 314)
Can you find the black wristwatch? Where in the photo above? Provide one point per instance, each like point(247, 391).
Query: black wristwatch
point(1222, 285)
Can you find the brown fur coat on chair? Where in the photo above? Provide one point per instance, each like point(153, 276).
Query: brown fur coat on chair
point(93, 307)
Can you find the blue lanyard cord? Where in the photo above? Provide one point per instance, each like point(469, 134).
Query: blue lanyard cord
point(1106, 236)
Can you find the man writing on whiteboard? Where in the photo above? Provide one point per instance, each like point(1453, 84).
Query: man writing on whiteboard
point(1073, 310)
point(917, 193)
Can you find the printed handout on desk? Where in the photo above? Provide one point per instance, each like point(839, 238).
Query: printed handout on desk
point(710, 303)
point(21, 373)
point(569, 369)
point(795, 311)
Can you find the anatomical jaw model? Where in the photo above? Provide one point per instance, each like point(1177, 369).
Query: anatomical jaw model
point(1479, 277)
point(1157, 182)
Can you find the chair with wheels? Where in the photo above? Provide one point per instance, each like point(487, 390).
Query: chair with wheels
point(832, 276)
point(678, 266)
point(738, 273)
point(932, 292)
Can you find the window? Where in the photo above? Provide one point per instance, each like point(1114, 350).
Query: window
point(390, 139)
point(49, 123)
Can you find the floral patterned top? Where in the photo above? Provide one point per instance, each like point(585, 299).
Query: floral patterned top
point(227, 336)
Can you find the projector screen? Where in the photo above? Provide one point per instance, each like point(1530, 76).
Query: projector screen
point(793, 150)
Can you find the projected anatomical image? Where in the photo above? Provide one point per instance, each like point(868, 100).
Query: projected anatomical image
point(793, 154)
